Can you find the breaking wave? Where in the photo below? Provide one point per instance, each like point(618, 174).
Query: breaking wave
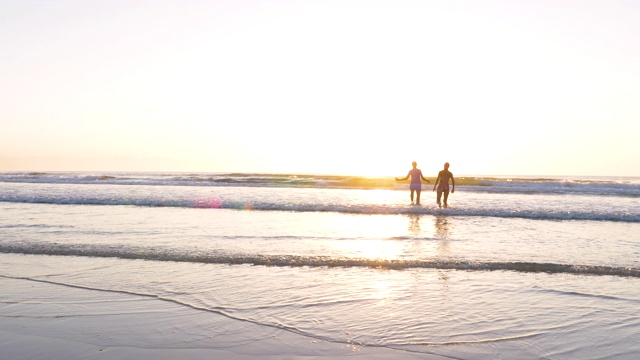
point(159, 254)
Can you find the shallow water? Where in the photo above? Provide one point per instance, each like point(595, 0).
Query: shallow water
point(499, 274)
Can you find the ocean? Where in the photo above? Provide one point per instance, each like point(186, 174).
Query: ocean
point(526, 267)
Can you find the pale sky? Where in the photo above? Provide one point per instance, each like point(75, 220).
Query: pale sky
point(321, 87)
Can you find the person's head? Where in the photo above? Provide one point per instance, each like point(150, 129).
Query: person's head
point(446, 166)
point(414, 164)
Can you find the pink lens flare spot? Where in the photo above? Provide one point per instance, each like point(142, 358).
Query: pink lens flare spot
point(208, 204)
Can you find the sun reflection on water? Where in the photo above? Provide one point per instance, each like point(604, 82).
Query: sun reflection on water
point(376, 249)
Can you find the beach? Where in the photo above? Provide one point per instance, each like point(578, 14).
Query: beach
point(244, 266)
point(49, 321)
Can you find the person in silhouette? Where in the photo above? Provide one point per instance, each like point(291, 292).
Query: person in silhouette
point(416, 184)
point(442, 184)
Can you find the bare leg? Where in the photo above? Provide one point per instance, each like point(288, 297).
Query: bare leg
point(439, 197)
point(446, 196)
point(412, 196)
point(418, 197)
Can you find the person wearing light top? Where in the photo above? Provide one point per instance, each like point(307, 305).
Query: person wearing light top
point(416, 184)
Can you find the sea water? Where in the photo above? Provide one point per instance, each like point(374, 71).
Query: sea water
point(521, 267)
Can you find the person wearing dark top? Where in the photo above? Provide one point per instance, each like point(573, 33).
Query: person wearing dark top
point(442, 184)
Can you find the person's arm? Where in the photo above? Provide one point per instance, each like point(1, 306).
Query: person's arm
point(425, 179)
point(436, 183)
point(404, 178)
point(453, 183)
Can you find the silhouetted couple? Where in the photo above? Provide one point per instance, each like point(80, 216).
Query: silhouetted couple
point(442, 183)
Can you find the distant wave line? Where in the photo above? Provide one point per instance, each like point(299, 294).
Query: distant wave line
point(532, 185)
point(315, 261)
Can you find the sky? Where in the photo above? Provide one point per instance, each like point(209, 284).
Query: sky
point(342, 87)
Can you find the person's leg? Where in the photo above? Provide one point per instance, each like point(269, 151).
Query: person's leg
point(446, 196)
point(412, 196)
point(417, 197)
point(439, 196)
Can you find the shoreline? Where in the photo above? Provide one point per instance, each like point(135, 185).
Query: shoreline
point(47, 321)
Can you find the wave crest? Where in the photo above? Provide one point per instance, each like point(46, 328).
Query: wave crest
point(311, 261)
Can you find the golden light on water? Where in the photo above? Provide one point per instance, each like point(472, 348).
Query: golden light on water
point(376, 237)
point(376, 249)
point(381, 289)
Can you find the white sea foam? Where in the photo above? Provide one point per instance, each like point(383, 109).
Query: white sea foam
point(175, 255)
point(527, 204)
